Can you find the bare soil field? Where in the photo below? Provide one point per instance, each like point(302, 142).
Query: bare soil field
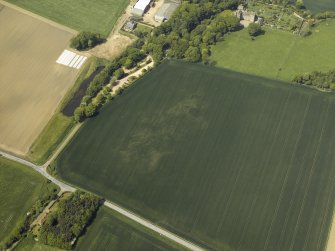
point(32, 84)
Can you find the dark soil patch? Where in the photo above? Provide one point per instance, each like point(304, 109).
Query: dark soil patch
point(68, 110)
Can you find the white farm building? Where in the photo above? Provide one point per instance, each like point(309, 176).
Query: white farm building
point(140, 7)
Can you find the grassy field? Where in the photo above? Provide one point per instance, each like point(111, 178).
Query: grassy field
point(320, 5)
point(20, 188)
point(32, 83)
point(233, 161)
point(111, 231)
point(51, 136)
point(278, 54)
point(82, 15)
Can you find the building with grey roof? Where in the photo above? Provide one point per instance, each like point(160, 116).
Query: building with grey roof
point(166, 10)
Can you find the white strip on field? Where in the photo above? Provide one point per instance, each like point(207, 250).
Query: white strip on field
point(71, 59)
point(78, 61)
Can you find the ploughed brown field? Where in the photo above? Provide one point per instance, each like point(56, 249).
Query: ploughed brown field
point(32, 84)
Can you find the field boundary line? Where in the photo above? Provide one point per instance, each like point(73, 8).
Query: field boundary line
point(152, 226)
point(63, 144)
point(38, 17)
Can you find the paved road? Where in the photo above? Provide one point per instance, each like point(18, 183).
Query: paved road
point(153, 227)
point(40, 169)
point(65, 187)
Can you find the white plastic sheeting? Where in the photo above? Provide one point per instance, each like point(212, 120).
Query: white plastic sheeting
point(71, 59)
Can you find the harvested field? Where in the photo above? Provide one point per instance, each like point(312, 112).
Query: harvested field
point(32, 83)
point(232, 161)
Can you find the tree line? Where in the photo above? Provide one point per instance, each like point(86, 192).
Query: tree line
point(98, 92)
point(322, 80)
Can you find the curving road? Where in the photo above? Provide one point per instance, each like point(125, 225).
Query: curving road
point(65, 187)
point(40, 169)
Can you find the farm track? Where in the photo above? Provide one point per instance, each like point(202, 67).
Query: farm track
point(45, 20)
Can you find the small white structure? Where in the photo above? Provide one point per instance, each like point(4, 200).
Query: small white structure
point(166, 10)
point(71, 59)
point(140, 7)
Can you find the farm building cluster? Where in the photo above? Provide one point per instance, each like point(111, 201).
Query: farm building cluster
point(163, 13)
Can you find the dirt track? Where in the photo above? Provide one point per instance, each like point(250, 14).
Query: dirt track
point(32, 84)
point(116, 43)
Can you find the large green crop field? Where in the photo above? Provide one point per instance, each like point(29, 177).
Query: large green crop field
point(20, 188)
point(111, 231)
point(82, 15)
point(320, 5)
point(278, 54)
point(232, 161)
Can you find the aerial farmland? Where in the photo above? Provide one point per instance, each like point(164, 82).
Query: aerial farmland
point(167, 125)
point(180, 146)
point(32, 83)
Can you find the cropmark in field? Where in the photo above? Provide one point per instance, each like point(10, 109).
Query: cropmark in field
point(231, 161)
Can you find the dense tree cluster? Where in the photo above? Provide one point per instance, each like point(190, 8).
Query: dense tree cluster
point(68, 221)
point(322, 80)
point(194, 26)
point(86, 40)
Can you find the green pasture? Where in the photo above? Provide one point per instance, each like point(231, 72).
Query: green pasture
point(82, 15)
point(231, 161)
point(111, 231)
point(20, 188)
point(278, 54)
point(51, 136)
point(320, 5)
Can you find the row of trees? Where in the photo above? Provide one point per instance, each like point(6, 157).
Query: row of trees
point(323, 80)
point(98, 92)
point(325, 15)
point(68, 221)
